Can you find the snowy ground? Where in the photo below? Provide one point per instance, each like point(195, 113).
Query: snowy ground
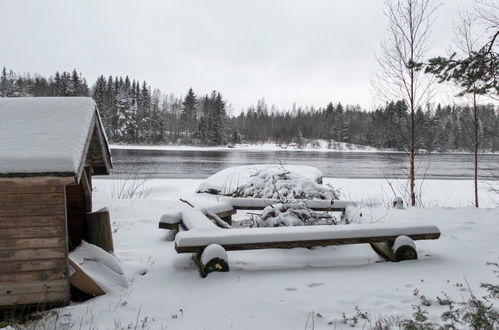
point(289, 289)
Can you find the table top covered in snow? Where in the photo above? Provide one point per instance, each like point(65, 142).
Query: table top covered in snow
point(227, 237)
point(44, 134)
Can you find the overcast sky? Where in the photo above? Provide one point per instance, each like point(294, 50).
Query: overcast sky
point(308, 51)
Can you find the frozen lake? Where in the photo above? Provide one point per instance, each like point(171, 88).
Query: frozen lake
point(201, 164)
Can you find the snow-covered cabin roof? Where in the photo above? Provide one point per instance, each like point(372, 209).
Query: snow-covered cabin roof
point(51, 136)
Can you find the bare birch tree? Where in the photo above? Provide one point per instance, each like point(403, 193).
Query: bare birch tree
point(475, 69)
point(466, 42)
point(408, 44)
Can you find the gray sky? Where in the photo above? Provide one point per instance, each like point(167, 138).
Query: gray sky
point(308, 51)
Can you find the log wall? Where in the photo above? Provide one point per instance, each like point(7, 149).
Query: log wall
point(33, 243)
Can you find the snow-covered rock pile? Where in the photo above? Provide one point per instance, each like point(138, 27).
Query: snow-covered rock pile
point(283, 185)
point(293, 214)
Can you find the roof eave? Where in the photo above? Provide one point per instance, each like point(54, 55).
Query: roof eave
point(96, 125)
point(37, 174)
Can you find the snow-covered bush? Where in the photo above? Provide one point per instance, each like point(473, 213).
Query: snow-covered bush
point(293, 214)
point(228, 180)
point(291, 185)
point(284, 185)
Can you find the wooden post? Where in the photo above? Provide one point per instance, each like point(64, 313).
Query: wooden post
point(99, 229)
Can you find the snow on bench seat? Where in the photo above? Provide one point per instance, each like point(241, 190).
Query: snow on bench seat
point(194, 219)
point(304, 236)
point(172, 220)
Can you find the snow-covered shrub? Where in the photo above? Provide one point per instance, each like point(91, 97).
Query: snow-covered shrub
point(228, 180)
point(284, 185)
point(293, 214)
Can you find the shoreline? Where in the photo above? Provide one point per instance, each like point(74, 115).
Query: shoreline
point(116, 176)
point(271, 147)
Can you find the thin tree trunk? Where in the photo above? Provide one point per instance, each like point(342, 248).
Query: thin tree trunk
point(475, 118)
point(412, 155)
point(412, 150)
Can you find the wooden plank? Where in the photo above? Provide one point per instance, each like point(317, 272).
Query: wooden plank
point(13, 209)
point(33, 265)
point(30, 276)
point(32, 198)
point(50, 298)
point(24, 221)
point(85, 182)
point(33, 185)
point(226, 213)
point(171, 226)
point(313, 208)
point(32, 232)
point(32, 287)
point(317, 205)
point(83, 282)
point(32, 243)
point(33, 254)
point(33, 292)
point(304, 243)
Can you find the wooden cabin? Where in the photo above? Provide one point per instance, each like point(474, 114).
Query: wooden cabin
point(50, 147)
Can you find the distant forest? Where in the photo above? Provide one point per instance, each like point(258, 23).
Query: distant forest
point(134, 113)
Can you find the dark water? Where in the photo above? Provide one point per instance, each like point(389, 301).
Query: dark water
point(201, 164)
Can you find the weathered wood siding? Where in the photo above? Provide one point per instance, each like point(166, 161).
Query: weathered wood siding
point(78, 204)
point(33, 244)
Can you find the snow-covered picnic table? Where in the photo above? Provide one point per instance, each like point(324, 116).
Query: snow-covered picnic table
point(209, 242)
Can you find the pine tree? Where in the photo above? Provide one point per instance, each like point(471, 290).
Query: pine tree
point(236, 136)
point(99, 95)
point(217, 118)
point(145, 110)
point(157, 122)
point(3, 83)
point(188, 116)
point(75, 86)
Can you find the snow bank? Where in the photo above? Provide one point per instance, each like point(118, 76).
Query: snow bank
point(44, 134)
point(100, 266)
point(265, 181)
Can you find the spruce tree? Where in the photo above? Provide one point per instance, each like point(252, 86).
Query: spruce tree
point(188, 115)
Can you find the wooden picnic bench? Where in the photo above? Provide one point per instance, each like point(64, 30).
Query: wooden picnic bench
point(228, 207)
point(209, 243)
